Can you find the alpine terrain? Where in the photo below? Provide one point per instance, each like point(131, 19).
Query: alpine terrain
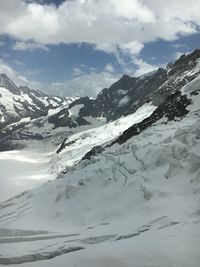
point(121, 173)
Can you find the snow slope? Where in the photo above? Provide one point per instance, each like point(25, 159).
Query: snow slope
point(135, 204)
point(77, 145)
point(22, 170)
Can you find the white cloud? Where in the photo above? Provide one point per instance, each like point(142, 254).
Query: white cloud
point(121, 27)
point(109, 67)
point(77, 71)
point(89, 84)
point(107, 24)
point(12, 74)
point(18, 78)
point(131, 10)
point(178, 54)
point(31, 46)
point(85, 85)
point(133, 48)
point(143, 67)
point(179, 46)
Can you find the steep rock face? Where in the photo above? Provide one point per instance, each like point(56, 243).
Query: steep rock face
point(63, 119)
point(175, 106)
point(123, 97)
point(128, 94)
point(8, 84)
point(183, 71)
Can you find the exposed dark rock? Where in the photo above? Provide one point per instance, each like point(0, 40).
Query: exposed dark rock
point(185, 62)
point(6, 146)
point(80, 101)
point(8, 84)
point(93, 152)
point(174, 106)
point(12, 138)
point(81, 121)
point(61, 147)
point(63, 119)
point(129, 93)
point(196, 92)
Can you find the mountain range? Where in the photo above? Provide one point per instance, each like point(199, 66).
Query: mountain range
point(125, 167)
point(23, 109)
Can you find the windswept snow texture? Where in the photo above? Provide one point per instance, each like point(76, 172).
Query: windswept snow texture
point(77, 145)
point(135, 204)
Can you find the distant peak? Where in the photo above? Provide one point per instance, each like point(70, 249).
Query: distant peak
point(124, 77)
point(4, 76)
point(194, 55)
point(8, 84)
point(169, 66)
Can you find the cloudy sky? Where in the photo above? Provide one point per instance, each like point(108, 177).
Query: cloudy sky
point(70, 47)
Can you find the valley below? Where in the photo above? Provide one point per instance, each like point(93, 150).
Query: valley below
point(22, 170)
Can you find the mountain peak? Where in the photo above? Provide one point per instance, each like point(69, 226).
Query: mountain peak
point(125, 77)
point(3, 76)
point(8, 84)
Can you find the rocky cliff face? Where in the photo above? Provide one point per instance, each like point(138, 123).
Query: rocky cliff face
point(175, 106)
point(160, 88)
point(128, 94)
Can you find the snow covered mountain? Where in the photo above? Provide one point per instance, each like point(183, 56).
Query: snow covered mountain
point(127, 191)
point(21, 102)
point(136, 203)
point(123, 98)
point(128, 94)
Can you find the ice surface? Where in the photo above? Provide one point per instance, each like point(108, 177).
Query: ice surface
point(82, 142)
point(22, 170)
